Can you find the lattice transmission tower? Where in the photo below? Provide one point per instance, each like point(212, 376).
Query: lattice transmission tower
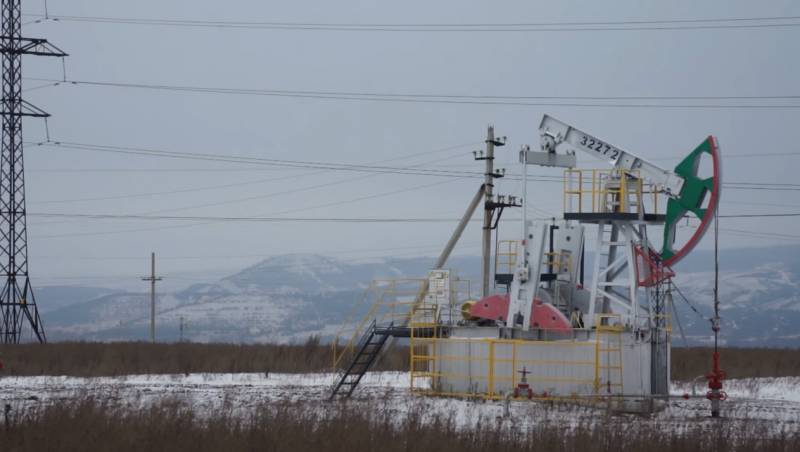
point(17, 302)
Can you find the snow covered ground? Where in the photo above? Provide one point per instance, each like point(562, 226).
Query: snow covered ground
point(773, 402)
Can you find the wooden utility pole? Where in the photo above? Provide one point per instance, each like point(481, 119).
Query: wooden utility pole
point(181, 328)
point(489, 205)
point(152, 278)
point(488, 182)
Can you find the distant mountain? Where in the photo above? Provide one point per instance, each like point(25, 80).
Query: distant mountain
point(287, 298)
point(54, 297)
point(760, 306)
point(283, 298)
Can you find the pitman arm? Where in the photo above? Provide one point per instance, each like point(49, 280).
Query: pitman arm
point(556, 136)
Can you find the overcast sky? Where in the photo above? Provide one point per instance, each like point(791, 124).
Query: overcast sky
point(702, 62)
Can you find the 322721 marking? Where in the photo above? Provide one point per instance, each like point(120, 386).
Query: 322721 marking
point(600, 147)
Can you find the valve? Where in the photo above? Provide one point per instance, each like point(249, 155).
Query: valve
point(523, 388)
point(715, 393)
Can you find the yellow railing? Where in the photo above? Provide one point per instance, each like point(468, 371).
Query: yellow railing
point(609, 322)
point(573, 190)
point(608, 353)
point(505, 260)
point(490, 368)
point(461, 288)
point(610, 190)
point(560, 262)
point(391, 300)
point(424, 326)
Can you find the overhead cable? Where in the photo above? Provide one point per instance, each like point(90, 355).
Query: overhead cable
point(574, 26)
point(522, 100)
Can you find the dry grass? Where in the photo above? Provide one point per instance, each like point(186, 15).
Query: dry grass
point(688, 363)
point(92, 425)
point(91, 359)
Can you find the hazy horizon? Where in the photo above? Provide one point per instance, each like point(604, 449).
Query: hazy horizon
point(693, 62)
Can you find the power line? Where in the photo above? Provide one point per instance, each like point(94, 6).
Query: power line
point(530, 24)
point(167, 192)
point(759, 155)
point(99, 216)
point(236, 184)
point(456, 99)
point(263, 196)
point(214, 220)
point(281, 163)
point(762, 215)
point(296, 190)
point(241, 219)
point(381, 169)
point(253, 256)
point(304, 189)
point(229, 201)
point(752, 203)
point(762, 234)
point(34, 88)
point(757, 234)
point(256, 91)
point(762, 188)
point(688, 303)
point(256, 160)
point(366, 197)
point(152, 170)
point(226, 202)
point(740, 232)
point(270, 195)
point(628, 25)
point(765, 183)
point(352, 260)
point(244, 170)
point(744, 155)
point(202, 170)
point(210, 219)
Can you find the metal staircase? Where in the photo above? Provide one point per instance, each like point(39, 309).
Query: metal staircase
point(367, 351)
point(395, 313)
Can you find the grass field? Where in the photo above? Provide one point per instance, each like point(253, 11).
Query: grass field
point(688, 363)
point(89, 424)
point(265, 397)
point(87, 359)
point(95, 359)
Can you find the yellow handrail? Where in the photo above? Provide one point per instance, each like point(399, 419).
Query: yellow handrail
point(381, 310)
point(610, 190)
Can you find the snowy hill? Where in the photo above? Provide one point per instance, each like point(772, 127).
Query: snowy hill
point(281, 299)
point(758, 307)
point(287, 298)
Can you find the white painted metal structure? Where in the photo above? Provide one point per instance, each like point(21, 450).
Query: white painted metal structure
point(440, 294)
point(615, 295)
point(614, 287)
point(525, 284)
point(617, 342)
point(556, 136)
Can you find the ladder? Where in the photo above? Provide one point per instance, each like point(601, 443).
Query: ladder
point(608, 360)
point(367, 350)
